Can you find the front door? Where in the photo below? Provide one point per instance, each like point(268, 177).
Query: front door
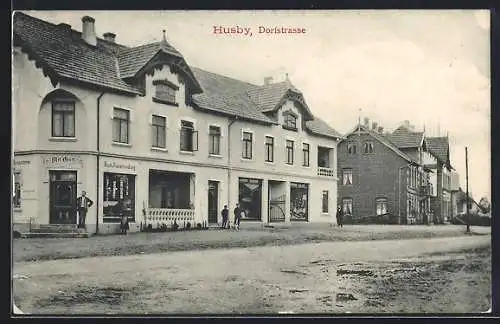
point(213, 198)
point(62, 197)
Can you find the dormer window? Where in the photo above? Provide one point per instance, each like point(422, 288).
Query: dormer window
point(289, 120)
point(165, 92)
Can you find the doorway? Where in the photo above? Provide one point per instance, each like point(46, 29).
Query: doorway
point(213, 199)
point(62, 197)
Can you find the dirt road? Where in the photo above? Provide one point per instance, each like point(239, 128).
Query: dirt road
point(303, 279)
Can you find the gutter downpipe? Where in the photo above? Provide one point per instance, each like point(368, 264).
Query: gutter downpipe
point(98, 161)
point(229, 161)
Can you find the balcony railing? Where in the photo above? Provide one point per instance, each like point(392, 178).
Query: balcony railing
point(326, 172)
point(166, 215)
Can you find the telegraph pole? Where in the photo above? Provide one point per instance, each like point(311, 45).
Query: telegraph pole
point(467, 189)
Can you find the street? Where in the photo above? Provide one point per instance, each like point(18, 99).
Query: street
point(303, 278)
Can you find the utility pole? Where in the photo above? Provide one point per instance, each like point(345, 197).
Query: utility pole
point(467, 189)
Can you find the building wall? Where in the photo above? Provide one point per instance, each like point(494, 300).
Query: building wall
point(377, 175)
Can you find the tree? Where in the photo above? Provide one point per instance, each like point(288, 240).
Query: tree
point(485, 205)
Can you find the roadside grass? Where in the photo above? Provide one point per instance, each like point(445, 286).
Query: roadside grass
point(35, 249)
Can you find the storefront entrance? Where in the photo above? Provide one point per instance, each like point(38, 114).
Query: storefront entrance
point(250, 198)
point(62, 197)
point(299, 198)
point(213, 198)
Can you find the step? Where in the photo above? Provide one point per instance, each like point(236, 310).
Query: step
point(57, 230)
point(56, 235)
point(69, 226)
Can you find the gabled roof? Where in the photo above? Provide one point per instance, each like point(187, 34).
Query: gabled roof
point(381, 138)
point(402, 137)
point(439, 147)
point(63, 54)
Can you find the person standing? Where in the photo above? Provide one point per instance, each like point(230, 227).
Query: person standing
point(237, 216)
point(83, 203)
point(225, 216)
point(340, 216)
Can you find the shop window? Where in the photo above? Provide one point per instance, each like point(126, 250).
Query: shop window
point(250, 198)
point(16, 200)
point(299, 197)
point(119, 197)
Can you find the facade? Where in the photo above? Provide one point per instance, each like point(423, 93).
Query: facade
point(378, 182)
point(148, 136)
point(438, 160)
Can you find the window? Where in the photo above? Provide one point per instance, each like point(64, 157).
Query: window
point(347, 206)
point(119, 197)
point(189, 137)
point(368, 147)
point(165, 92)
point(290, 121)
point(289, 152)
point(324, 205)
point(214, 140)
point(63, 119)
point(305, 153)
point(247, 145)
point(269, 149)
point(381, 206)
point(347, 177)
point(16, 200)
point(158, 128)
point(121, 120)
point(351, 148)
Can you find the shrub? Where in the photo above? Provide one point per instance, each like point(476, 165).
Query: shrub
point(188, 226)
point(16, 234)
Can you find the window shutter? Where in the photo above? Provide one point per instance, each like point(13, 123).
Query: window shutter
point(112, 112)
point(195, 140)
point(131, 115)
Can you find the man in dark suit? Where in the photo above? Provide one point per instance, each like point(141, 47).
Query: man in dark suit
point(82, 204)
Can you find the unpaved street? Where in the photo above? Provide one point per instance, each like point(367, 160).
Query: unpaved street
point(303, 279)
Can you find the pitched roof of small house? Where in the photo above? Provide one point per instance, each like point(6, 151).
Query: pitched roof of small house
point(382, 139)
point(440, 148)
point(64, 55)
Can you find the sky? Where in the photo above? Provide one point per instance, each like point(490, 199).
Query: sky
point(429, 67)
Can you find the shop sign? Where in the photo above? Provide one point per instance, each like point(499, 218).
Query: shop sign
point(62, 160)
point(117, 165)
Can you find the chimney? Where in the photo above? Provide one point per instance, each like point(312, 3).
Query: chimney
point(268, 80)
point(88, 30)
point(367, 121)
point(64, 26)
point(381, 130)
point(374, 125)
point(110, 37)
point(406, 124)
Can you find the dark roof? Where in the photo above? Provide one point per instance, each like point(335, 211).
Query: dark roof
point(439, 147)
point(405, 138)
point(382, 139)
point(131, 60)
point(65, 55)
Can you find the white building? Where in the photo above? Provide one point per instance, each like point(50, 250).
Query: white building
point(146, 135)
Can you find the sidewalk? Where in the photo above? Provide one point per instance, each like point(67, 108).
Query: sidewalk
point(249, 235)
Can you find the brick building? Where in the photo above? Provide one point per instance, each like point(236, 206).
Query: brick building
point(150, 137)
point(380, 182)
